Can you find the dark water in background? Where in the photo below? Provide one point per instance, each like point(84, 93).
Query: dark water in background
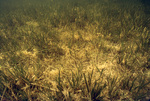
point(146, 4)
point(7, 6)
point(4, 4)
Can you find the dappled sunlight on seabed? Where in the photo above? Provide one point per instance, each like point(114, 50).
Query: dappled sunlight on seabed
point(77, 50)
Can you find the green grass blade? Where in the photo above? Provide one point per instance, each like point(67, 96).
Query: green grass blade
point(87, 86)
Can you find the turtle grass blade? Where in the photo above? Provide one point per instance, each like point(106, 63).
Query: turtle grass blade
point(89, 81)
point(96, 91)
point(130, 89)
point(2, 74)
point(90, 78)
point(59, 86)
point(142, 84)
point(74, 82)
point(70, 82)
point(100, 71)
point(87, 86)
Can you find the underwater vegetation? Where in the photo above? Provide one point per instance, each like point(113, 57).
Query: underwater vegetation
point(74, 50)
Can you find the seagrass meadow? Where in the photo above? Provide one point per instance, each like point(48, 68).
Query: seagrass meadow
point(74, 50)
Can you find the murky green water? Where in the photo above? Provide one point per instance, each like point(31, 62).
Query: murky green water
point(34, 7)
